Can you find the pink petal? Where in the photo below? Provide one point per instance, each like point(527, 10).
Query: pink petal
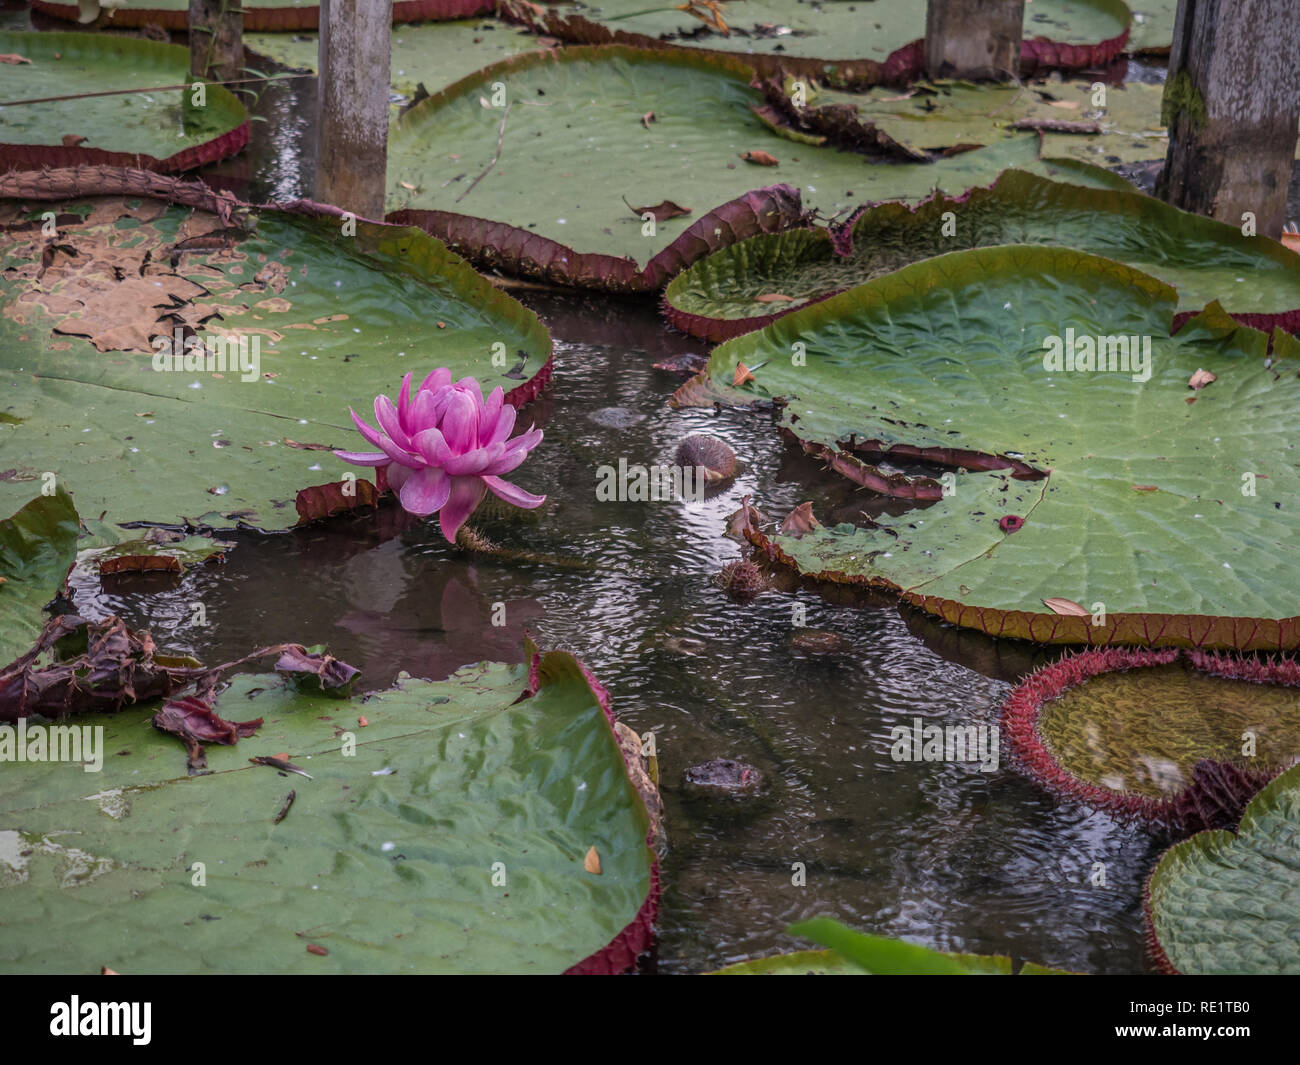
point(473, 462)
point(430, 444)
point(387, 417)
point(364, 458)
point(504, 424)
point(440, 378)
point(512, 493)
point(487, 418)
point(459, 423)
point(424, 492)
point(404, 400)
point(466, 494)
point(370, 434)
point(396, 475)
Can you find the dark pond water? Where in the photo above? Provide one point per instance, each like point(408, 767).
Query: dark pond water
point(944, 853)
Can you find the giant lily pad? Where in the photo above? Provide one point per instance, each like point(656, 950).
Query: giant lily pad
point(155, 130)
point(38, 545)
point(1229, 902)
point(1182, 744)
point(265, 14)
point(338, 319)
point(1153, 25)
point(726, 293)
point(856, 43)
point(1169, 506)
point(452, 840)
point(468, 171)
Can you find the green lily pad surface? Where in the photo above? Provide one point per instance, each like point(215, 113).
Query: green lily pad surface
point(1153, 25)
point(1125, 493)
point(433, 54)
point(159, 130)
point(452, 840)
point(723, 294)
point(580, 116)
point(335, 319)
point(1229, 902)
point(38, 545)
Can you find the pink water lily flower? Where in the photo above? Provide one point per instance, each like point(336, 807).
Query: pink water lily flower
point(445, 447)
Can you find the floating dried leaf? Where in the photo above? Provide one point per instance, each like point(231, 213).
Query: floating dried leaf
point(591, 862)
point(760, 158)
point(1059, 605)
point(1201, 378)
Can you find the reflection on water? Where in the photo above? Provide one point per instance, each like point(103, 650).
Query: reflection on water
point(941, 852)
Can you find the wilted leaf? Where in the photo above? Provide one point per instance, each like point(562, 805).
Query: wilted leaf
point(760, 157)
point(660, 211)
point(743, 375)
point(800, 521)
point(1201, 378)
point(591, 862)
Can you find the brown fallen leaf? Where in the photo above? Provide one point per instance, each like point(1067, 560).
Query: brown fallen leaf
point(13, 58)
point(761, 158)
point(407, 185)
point(363, 722)
point(1065, 105)
point(316, 948)
point(1145, 488)
point(647, 118)
point(307, 447)
point(1201, 378)
point(800, 521)
point(661, 212)
point(742, 375)
point(773, 297)
point(591, 863)
point(71, 140)
point(104, 970)
point(139, 564)
point(1291, 239)
point(707, 11)
point(1066, 606)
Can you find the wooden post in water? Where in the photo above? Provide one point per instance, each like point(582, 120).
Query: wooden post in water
point(975, 39)
point(216, 29)
point(1232, 106)
point(352, 142)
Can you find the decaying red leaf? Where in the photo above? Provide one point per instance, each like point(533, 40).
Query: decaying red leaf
point(71, 140)
point(800, 521)
point(1201, 378)
point(316, 948)
point(192, 720)
point(742, 375)
point(661, 212)
point(329, 671)
point(1059, 605)
point(760, 158)
point(1145, 488)
point(747, 517)
point(326, 500)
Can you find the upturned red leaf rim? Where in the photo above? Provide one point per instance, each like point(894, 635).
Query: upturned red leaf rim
point(1219, 791)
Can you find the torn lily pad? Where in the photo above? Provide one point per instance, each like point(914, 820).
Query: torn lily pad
point(721, 296)
point(467, 173)
point(447, 836)
point(163, 130)
point(1229, 902)
point(242, 432)
point(1181, 741)
point(954, 361)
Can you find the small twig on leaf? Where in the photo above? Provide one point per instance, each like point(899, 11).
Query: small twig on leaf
point(501, 136)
